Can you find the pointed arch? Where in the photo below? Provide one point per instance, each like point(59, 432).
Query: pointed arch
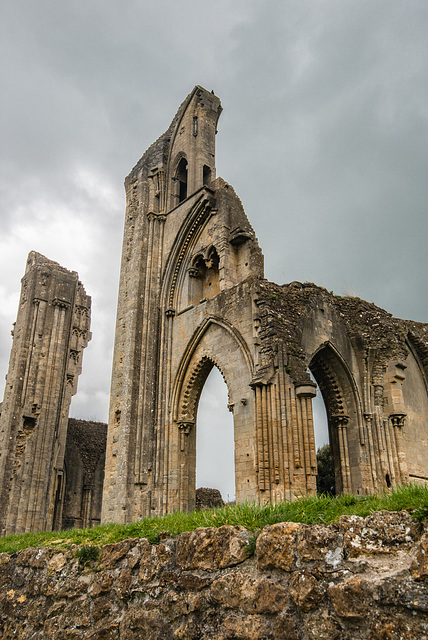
point(185, 239)
point(344, 415)
point(179, 177)
point(214, 343)
point(198, 359)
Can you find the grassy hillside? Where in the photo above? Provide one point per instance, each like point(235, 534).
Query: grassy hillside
point(311, 510)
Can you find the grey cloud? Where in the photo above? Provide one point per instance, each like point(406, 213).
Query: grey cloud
point(323, 135)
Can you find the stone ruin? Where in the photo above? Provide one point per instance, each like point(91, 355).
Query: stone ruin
point(208, 499)
point(193, 296)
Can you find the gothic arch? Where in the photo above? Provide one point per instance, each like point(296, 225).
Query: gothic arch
point(201, 354)
point(214, 343)
point(344, 415)
point(179, 255)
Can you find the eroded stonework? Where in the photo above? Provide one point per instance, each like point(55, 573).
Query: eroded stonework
point(84, 473)
point(50, 333)
point(361, 578)
point(192, 296)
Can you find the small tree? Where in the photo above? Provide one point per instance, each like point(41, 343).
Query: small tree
point(325, 477)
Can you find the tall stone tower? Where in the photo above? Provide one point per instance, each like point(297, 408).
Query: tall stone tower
point(50, 333)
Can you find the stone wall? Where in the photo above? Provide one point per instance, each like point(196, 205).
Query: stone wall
point(361, 578)
point(84, 473)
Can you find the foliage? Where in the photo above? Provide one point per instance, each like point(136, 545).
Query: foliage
point(88, 553)
point(325, 464)
point(309, 510)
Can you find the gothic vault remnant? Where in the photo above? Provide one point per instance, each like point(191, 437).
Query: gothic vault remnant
point(84, 473)
point(193, 296)
point(50, 333)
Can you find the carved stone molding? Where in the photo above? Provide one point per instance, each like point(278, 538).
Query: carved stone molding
point(340, 420)
point(398, 419)
point(62, 304)
point(306, 390)
point(185, 426)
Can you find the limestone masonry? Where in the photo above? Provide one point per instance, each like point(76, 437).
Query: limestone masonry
point(363, 578)
point(49, 336)
point(193, 296)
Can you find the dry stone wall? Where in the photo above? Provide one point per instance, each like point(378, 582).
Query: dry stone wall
point(361, 578)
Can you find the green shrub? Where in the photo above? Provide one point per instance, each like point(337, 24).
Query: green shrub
point(88, 553)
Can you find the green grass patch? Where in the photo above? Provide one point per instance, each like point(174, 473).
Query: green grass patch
point(319, 509)
point(88, 553)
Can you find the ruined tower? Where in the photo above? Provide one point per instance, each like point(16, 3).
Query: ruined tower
point(192, 296)
point(50, 333)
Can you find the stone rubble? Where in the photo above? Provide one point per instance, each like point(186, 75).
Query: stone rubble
point(362, 578)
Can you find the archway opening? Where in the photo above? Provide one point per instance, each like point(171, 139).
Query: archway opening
point(326, 482)
point(215, 446)
point(339, 393)
point(327, 406)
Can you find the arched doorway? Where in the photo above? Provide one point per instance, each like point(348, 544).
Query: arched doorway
point(214, 344)
point(339, 393)
point(215, 446)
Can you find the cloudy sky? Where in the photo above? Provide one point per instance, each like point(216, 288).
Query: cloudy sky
point(323, 136)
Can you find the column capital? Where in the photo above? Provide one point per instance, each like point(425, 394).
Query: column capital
point(398, 419)
point(340, 420)
point(185, 426)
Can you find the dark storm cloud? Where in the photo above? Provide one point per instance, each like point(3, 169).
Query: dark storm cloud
point(336, 110)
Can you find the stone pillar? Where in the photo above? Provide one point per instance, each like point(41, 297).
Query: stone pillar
point(341, 422)
point(398, 421)
point(51, 331)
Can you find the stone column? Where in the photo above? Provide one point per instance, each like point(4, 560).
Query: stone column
point(341, 422)
point(398, 421)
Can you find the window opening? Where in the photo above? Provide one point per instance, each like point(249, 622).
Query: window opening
point(182, 179)
point(215, 445)
point(206, 175)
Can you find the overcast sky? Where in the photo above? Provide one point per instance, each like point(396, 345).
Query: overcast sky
point(323, 136)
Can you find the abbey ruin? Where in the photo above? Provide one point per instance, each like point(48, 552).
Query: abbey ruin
point(193, 296)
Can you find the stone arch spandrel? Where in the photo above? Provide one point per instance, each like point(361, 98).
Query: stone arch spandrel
point(217, 340)
point(215, 343)
point(323, 326)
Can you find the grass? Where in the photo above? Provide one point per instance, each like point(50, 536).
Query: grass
point(309, 510)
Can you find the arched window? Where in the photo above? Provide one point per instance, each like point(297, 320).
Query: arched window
point(181, 177)
point(206, 175)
